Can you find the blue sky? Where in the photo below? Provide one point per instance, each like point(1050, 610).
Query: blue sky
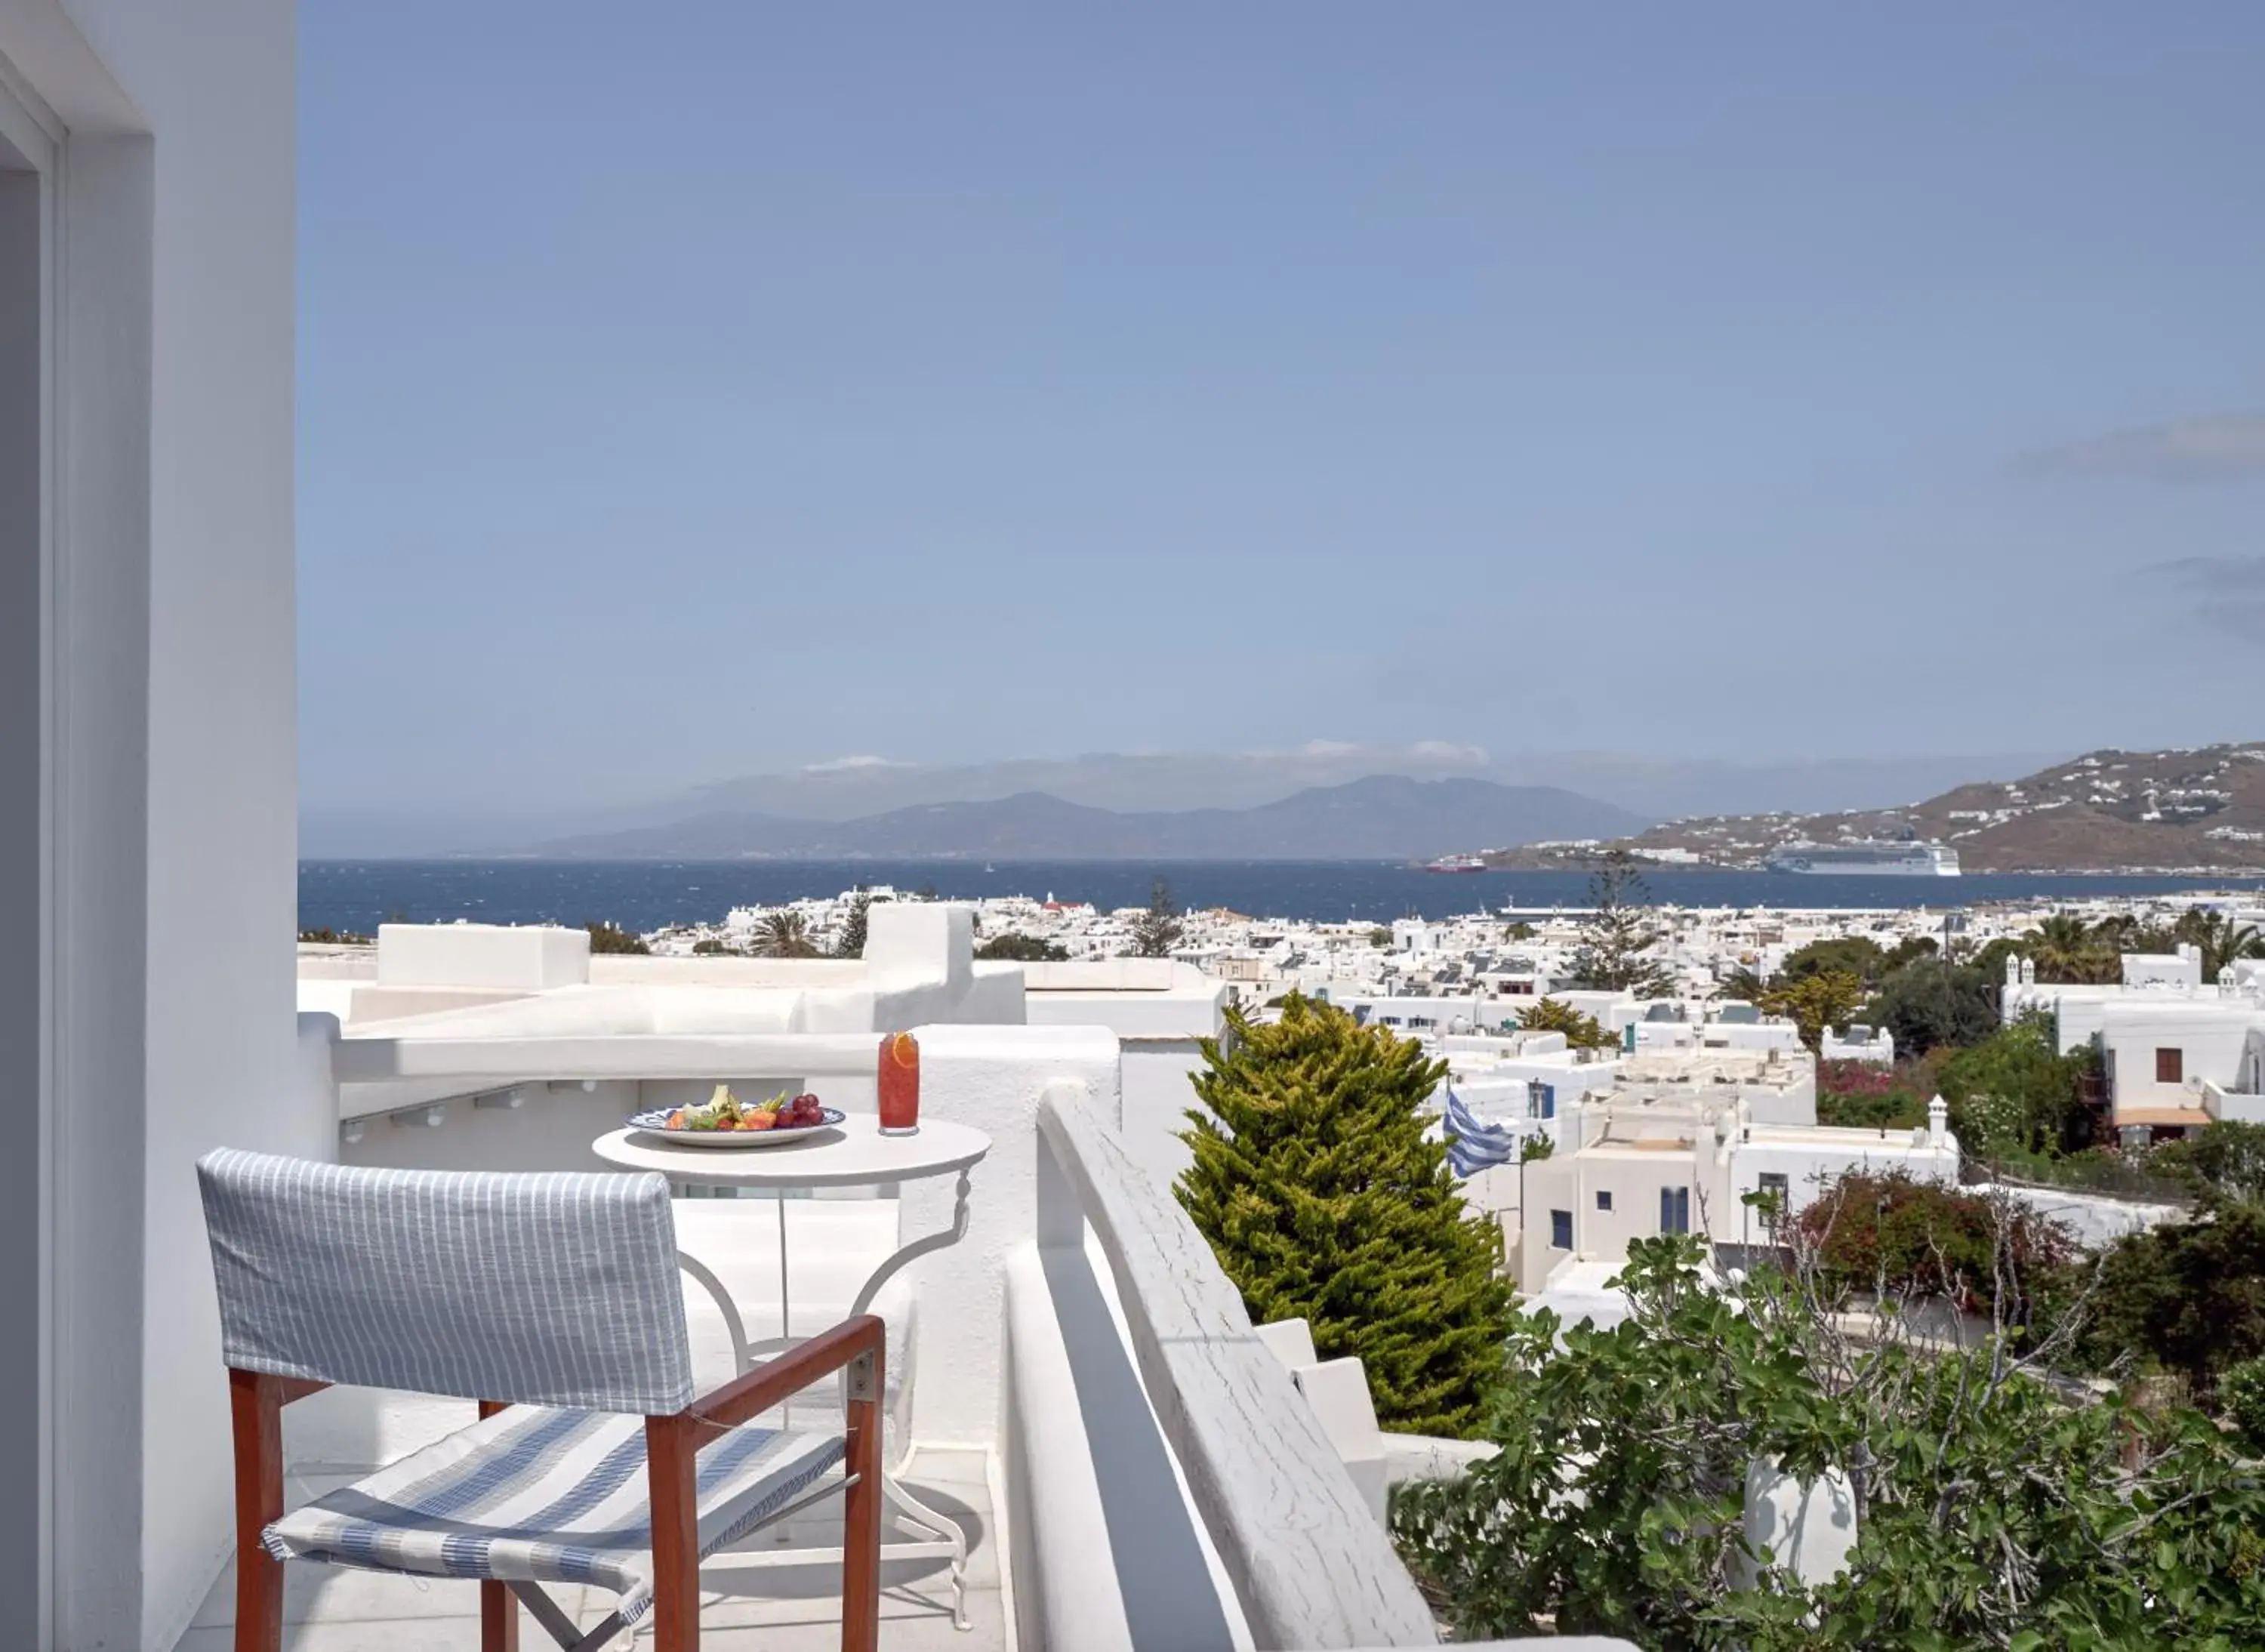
point(702, 390)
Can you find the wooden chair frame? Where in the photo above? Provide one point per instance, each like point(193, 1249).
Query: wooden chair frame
point(672, 1452)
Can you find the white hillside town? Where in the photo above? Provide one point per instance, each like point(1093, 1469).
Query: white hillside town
point(1689, 1102)
point(1474, 973)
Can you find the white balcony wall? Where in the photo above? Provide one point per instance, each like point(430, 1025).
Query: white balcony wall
point(992, 1078)
point(1092, 1495)
point(1161, 1011)
point(528, 957)
point(1148, 1423)
point(165, 641)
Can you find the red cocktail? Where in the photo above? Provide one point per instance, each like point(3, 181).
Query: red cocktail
point(900, 1078)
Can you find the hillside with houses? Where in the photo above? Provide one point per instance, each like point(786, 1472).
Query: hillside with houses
point(2194, 809)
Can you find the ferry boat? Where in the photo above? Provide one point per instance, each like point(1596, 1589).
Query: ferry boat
point(1457, 863)
point(1863, 858)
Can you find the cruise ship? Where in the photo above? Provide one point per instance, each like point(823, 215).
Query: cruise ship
point(1865, 859)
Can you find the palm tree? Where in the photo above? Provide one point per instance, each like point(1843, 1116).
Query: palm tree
point(2221, 940)
point(2068, 950)
point(784, 935)
point(1742, 982)
point(1555, 1014)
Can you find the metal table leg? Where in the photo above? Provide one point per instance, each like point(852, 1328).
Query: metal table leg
point(912, 1516)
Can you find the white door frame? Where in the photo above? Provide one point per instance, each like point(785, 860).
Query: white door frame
point(31, 153)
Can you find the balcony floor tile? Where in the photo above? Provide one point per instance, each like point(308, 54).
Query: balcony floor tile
point(784, 1608)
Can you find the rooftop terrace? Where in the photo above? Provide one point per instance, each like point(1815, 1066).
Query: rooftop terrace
point(1076, 1384)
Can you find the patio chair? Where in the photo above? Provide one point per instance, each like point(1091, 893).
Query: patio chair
point(553, 1301)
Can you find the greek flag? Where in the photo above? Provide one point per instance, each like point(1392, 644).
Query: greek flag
point(1473, 1147)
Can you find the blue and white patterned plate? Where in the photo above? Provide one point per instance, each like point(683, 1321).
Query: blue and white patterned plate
point(656, 1123)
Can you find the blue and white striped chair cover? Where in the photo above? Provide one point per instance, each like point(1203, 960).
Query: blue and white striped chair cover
point(555, 1294)
point(539, 1494)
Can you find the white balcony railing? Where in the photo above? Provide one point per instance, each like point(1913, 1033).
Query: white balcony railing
point(1301, 1556)
point(1309, 1565)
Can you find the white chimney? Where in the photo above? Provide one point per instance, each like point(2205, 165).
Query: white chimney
point(1938, 1122)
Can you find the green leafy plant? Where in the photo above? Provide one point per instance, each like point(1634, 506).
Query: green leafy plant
point(1814, 1002)
point(1855, 955)
point(1930, 1004)
point(1314, 1183)
point(2225, 1160)
point(607, 937)
point(1023, 949)
point(2243, 1390)
point(1994, 1508)
point(2185, 1296)
point(2015, 1090)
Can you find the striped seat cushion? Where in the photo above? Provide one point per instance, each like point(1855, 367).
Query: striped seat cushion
point(549, 1495)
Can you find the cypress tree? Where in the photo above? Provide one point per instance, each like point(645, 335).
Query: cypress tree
point(1321, 1198)
point(851, 943)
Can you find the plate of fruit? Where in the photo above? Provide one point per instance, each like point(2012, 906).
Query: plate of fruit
point(726, 1121)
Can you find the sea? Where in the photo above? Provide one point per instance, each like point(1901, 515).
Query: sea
point(643, 895)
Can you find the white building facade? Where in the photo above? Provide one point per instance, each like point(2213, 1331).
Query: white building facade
point(2176, 1053)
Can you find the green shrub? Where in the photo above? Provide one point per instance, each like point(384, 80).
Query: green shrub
point(1319, 1193)
point(2243, 1390)
point(1022, 948)
point(1995, 1514)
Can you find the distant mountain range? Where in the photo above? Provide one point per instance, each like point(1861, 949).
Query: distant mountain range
point(2192, 809)
point(858, 788)
point(1378, 816)
point(1655, 787)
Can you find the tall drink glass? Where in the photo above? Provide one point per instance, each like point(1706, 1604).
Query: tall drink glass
point(899, 1084)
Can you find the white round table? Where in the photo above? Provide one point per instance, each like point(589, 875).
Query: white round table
point(852, 1153)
